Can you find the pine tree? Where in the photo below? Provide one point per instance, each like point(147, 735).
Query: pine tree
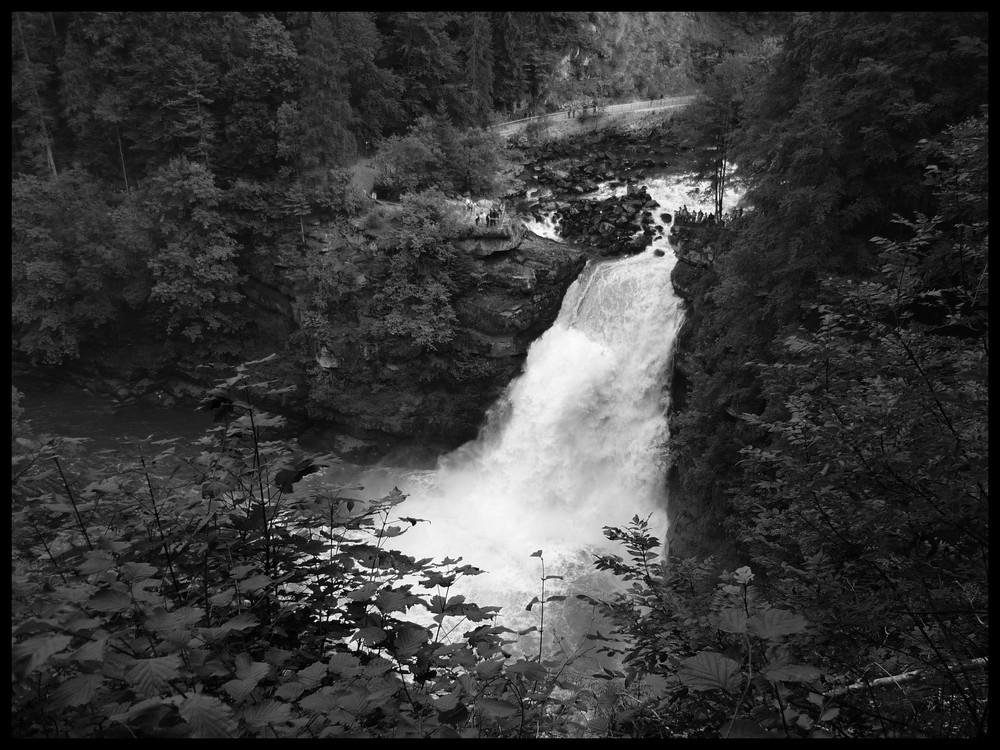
point(478, 54)
point(33, 113)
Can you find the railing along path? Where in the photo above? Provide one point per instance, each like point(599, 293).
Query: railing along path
point(650, 105)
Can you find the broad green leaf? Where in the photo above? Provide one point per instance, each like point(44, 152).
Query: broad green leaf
point(151, 677)
point(111, 544)
point(346, 665)
point(35, 625)
point(791, 673)
point(375, 667)
point(729, 621)
point(409, 641)
point(312, 675)
point(290, 691)
point(75, 594)
point(137, 571)
point(208, 716)
point(775, 623)
point(238, 690)
point(28, 656)
point(495, 707)
point(370, 635)
point(743, 575)
point(830, 714)
point(76, 691)
point(598, 725)
point(241, 621)
point(254, 583)
point(96, 562)
point(242, 571)
point(392, 601)
point(167, 622)
point(364, 593)
point(267, 712)
point(354, 702)
point(320, 702)
point(223, 598)
point(710, 671)
point(530, 670)
point(488, 668)
point(139, 711)
point(277, 656)
point(379, 692)
point(106, 485)
point(248, 669)
point(90, 651)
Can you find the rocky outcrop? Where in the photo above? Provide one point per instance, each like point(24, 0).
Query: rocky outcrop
point(518, 296)
point(441, 397)
point(482, 243)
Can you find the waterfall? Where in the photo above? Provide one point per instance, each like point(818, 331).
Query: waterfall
point(576, 443)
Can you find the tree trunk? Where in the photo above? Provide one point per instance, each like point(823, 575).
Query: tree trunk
point(121, 152)
point(46, 137)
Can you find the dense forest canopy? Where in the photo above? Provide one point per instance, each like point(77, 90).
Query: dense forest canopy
point(829, 442)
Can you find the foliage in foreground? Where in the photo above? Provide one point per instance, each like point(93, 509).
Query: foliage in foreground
point(236, 593)
point(222, 596)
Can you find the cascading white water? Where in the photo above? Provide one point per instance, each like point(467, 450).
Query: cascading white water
point(575, 444)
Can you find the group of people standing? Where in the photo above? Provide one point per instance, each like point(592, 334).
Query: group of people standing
point(494, 216)
point(580, 108)
point(491, 218)
point(686, 217)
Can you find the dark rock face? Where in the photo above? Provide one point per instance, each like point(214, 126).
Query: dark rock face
point(516, 296)
point(684, 278)
point(483, 244)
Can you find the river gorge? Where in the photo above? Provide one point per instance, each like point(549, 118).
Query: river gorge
point(576, 442)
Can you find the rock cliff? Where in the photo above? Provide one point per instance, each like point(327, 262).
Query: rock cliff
point(639, 55)
point(510, 294)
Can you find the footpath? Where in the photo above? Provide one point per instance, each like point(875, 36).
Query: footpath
point(594, 110)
